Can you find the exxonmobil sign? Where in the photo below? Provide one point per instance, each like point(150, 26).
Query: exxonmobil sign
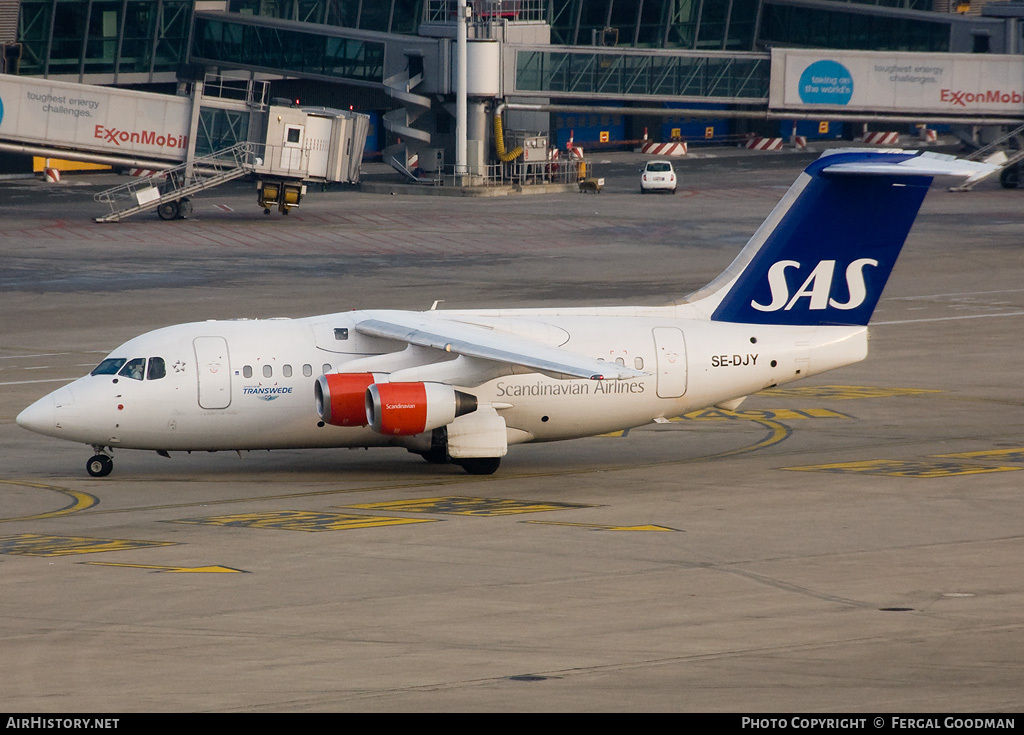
point(970, 98)
point(94, 119)
point(143, 137)
point(898, 82)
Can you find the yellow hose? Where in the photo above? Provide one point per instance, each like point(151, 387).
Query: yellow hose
point(499, 142)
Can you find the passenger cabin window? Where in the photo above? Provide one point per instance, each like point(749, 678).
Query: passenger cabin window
point(286, 370)
point(268, 371)
point(307, 370)
point(157, 368)
point(326, 368)
point(247, 371)
point(134, 368)
point(638, 363)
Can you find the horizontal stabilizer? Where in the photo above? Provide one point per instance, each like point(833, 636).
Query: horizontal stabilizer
point(924, 164)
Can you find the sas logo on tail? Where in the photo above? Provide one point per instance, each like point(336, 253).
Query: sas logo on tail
point(817, 287)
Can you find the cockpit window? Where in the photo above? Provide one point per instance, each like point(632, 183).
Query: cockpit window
point(110, 366)
point(134, 368)
point(157, 369)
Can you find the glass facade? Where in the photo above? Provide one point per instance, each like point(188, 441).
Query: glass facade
point(731, 25)
point(220, 129)
point(800, 26)
point(233, 42)
point(703, 25)
point(685, 24)
point(111, 37)
point(580, 73)
point(385, 16)
point(134, 41)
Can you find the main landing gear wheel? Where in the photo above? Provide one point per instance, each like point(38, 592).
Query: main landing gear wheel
point(480, 465)
point(99, 465)
point(435, 455)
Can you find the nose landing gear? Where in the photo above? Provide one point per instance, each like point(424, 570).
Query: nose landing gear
point(99, 465)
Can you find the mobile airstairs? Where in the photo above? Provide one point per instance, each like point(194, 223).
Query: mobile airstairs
point(169, 191)
point(1006, 152)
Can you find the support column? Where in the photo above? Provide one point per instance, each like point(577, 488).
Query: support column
point(476, 155)
point(460, 93)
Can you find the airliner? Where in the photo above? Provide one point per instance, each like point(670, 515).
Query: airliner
point(461, 386)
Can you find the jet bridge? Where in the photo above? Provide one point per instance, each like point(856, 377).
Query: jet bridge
point(221, 131)
point(98, 124)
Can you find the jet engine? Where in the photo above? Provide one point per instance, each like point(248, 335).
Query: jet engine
point(341, 397)
point(404, 409)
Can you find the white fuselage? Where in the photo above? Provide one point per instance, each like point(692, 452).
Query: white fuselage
point(249, 384)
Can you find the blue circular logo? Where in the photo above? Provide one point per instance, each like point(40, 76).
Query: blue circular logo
point(826, 83)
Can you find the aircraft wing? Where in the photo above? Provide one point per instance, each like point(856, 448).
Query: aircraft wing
point(480, 342)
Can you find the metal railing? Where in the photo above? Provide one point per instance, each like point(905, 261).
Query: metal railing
point(1007, 152)
point(560, 171)
point(486, 11)
point(239, 88)
point(174, 184)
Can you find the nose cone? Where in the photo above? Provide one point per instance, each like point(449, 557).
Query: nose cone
point(50, 414)
point(40, 417)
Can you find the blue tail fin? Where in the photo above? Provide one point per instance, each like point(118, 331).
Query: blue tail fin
point(825, 253)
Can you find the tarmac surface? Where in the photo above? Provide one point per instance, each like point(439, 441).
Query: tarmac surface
point(850, 544)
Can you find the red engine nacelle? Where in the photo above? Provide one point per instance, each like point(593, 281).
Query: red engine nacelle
point(341, 397)
point(404, 409)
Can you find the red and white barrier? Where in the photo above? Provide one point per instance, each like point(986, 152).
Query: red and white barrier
point(663, 149)
point(799, 142)
point(571, 149)
point(927, 135)
point(145, 172)
point(881, 138)
point(764, 144)
point(51, 175)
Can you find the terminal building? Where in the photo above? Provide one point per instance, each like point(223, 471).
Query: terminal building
point(598, 72)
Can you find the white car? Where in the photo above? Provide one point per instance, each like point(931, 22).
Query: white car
point(658, 176)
